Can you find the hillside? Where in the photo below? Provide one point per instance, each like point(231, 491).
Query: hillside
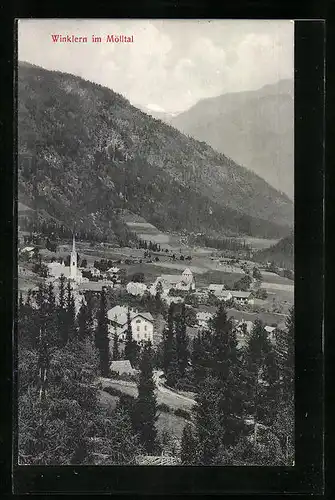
point(93, 153)
point(282, 253)
point(255, 128)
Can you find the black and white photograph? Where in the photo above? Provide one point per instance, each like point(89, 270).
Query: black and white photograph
point(155, 276)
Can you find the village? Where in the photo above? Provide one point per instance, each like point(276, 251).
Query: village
point(248, 290)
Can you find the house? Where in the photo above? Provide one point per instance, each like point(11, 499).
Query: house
point(27, 251)
point(185, 282)
point(134, 288)
point(175, 300)
point(142, 324)
point(122, 367)
point(95, 272)
point(216, 289)
point(242, 297)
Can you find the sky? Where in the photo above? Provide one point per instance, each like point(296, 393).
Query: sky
point(172, 64)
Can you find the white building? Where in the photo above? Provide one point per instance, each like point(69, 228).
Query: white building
point(142, 324)
point(137, 289)
point(56, 269)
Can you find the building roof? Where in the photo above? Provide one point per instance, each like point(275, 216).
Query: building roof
point(269, 329)
point(216, 286)
point(240, 295)
point(122, 366)
point(119, 315)
point(27, 249)
point(170, 278)
point(94, 286)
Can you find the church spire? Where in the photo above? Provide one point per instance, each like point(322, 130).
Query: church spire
point(73, 245)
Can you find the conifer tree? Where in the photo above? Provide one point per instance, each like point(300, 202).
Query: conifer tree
point(116, 354)
point(168, 339)
point(130, 348)
point(62, 323)
point(227, 368)
point(262, 375)
point(181, 343)
point(85, 321)
point(101, 336)
point(70, 313)
point(207, 421)
point(145, 410)
point(188, 452)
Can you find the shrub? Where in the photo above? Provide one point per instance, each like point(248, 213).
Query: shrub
point(163, 407)
point(182, 413)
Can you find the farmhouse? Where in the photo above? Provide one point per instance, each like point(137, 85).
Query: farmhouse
point(242, 297)
point(142, 324)
point(217, 289)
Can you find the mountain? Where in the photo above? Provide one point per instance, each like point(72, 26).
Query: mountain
point(155, 113)
point(86, 154)
point(255, 128)
point(282, 253)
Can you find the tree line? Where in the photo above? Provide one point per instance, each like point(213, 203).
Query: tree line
point(60, 356)
point(244, 412)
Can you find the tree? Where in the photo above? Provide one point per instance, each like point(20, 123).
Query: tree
point(130, 348)
point(188, 452)
point(84, 263)
point(262, 376)
point(257, 274)
point(207, 422)
point(101, 336)
point(116, 354)
point(227, 368)
point(145, 410)
point(181, 343)
point(85, 320)
point(70, 313)
point(61, 309)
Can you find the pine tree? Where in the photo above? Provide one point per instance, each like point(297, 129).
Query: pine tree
point(227, 368)
point(116, 354)
point(130, 348)
point(145, 410)
point(62, 323)
point(84, 322)
point(188, 452)
point(261, 375)
point(182, 343)
point(101, 336)
point(168, 338)
point(207, 421)
point(70, 313)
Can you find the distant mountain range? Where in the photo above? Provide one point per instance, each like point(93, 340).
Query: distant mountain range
point(94, 155)
point(254, 128)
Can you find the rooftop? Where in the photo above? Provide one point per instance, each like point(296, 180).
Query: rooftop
point(119, 314)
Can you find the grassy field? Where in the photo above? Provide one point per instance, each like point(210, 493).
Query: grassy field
point(166, 421)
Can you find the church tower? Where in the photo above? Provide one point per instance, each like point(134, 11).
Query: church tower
point(73, 261)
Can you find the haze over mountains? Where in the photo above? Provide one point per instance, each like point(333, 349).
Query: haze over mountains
point(95, 154)
point(254, 128)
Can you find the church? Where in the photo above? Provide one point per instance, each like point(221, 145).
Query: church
point(56, 269)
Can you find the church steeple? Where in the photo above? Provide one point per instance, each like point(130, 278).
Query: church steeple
point(73, 245)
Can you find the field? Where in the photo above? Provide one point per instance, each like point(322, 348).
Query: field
point(166, 421)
